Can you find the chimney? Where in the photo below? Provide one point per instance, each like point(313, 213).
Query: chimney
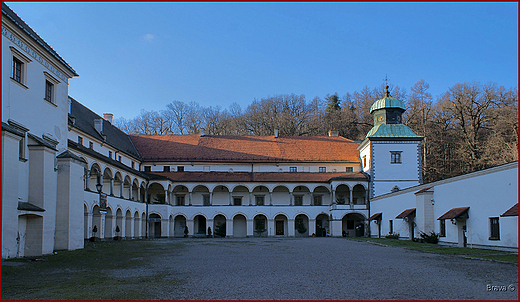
point(275, 133)
point(98, 125)
point(108, 117)
point(202, 133)
point(333, 132)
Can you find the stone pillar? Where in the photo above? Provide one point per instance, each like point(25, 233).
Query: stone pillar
point(351, 200)
point(166, 197)
point(270, 227)
point(211, 198)
point(335, 227)
point(333, 196)
point(291, 198)
point(290, 228)
point(250, 198)
point(191, 225)
point(101, 227)
point(229, 228)
point(230, 198)
point(312, 198)
point(111, 186)
point(209, 223)
point(130, 193)
point(250, 228)
point(189, 202)
point(89, 224)
point(312, 227)
point(270, 198)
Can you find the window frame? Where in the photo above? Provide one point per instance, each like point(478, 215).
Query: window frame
point(395, 157)
point(300, 200)
point(53, 83)
point(237, 198)
point(442, 228)
point(147, 168)
point(317, 197)
point(180, 168)
point(322, 169)
point(494, 228)
point(349, 169)
point(166, 168)
point(80, 140)
point(293, 169)
point(260, 197)
point(180, 200)
point(24, 62)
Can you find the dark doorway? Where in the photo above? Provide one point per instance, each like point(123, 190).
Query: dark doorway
point(279, 227)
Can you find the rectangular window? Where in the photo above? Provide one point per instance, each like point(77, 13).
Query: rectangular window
point(17, 70)
point(147, 168)
point(119, 158)
point(317, 200)
point(395, 157)
point(133, 165)
point(349, 169)
point(293, 169)
point(80, 140)
point(180, 168)
point(323, 169)
point(364, 161)
point(110, 154)
point(49, 92)
point(206, 168)
point(237, 201)
point(391, 226)
point(298, 200)
point(180, 200)
point(205, 200)
point(91, 145)
point(495, 229)
point(259, 200)
point(442, 227)
point(166, 169)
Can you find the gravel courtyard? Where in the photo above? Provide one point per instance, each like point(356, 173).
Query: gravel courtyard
point(330, 268)
point(271, 268)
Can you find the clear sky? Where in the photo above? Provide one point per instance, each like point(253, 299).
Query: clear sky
point(134, 56)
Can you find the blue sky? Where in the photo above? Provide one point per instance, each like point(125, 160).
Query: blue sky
point(134, 56)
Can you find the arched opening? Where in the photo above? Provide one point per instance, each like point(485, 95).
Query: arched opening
point(280, 225)
point(135, 191)
point(95, 178)
point(128, 224)
point(322, 225)
point(239, 226)
point(301, 225)
point(301, 196)
point(260, 225)
point(342, 194)
point(321, 196)
point(142, 194)
point(119, 223)
point(220, 196)
point(108, 223)
point(219, 226)
point(143, 225)
point(240, 196)
point(118, 185)
point(107, 182)
point(200, 196)
point(136, 225)
point(261, 196)
point(96, 222)
point(353, 224)
point(199, 223)
point(181, 196)
point(85, 222)
point(180, 225)
point(281, 196)
point(126, 188)
point(170, 226)
point(156, 193)
point(359, 194)
point(154, 224)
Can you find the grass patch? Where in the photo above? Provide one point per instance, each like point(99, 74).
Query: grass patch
point(396, 242)
point(105, 270)
point(513, 258)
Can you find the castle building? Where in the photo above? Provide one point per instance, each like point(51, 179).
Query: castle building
point(69, 175)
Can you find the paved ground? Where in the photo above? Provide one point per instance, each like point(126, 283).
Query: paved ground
point(325, 268)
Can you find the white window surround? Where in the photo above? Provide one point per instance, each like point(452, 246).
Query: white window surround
point(54, 82)
point(25, 61)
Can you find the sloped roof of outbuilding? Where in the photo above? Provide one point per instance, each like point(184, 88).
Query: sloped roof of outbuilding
point(454, 213)
point(513, 211)
point(246, 148)
point(83, 118)
point(406, 213)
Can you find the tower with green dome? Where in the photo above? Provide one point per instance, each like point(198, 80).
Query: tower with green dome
point(391, 151)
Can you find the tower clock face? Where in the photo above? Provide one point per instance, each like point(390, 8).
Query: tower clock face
point(381, 118)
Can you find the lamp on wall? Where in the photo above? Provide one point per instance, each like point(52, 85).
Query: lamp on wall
point(433, 201)
point(99, 187)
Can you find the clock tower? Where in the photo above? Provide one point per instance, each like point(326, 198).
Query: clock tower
point(391, 151)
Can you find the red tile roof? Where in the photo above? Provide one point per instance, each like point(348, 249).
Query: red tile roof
point(511, 212)
point(257, 176)
point(246, 148)
point(406, 213)
point(376, 216)
point(454, 213)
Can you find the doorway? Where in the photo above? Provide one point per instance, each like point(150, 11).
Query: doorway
point(279, 227)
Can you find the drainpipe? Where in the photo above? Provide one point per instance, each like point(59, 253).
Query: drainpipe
point(146, 201)
point(368, 208)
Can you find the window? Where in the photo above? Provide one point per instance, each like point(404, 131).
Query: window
point(206, 168)
point(147, 168)
point(323, 169)
point(395, 157)
point(259, 200)
point(110, 154)
point(133, 165)
point(80, 140)
point(391, 226)
point(17, 70)
point(442, 227)
point(205, 200)
point(364, 161)
point(293, 169)
point(91, 145)
point(21, 149)
point(317, 200)
point(166, 169)
point(495, 229)
point(349, 169)
point(180, 168)
point(49, 92)
point(298, 200)
point(119, 158)
point(180, 200)
point(237, 201)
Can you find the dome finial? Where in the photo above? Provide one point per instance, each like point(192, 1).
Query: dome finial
point(387, 93)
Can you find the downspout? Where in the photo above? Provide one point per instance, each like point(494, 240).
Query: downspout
point(146, 201)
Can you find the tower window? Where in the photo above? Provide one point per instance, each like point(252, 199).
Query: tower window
point(293, 169)
point(323, 169)
point(364, 161)
point(166, 169)
point(395, 157)
point(349, 169)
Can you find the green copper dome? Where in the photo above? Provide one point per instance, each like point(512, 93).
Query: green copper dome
point(386, 103)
